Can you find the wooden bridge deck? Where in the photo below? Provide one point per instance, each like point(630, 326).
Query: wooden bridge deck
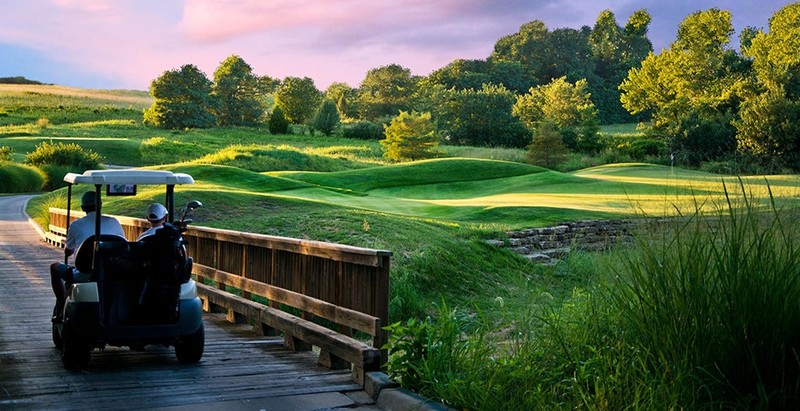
point(239, 370)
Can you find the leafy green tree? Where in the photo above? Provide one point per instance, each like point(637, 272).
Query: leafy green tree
point(696, 78)
point(181, 99)
point(769, 123)
point(345, 97)
point(410, 137)
point(616, 50)
point(326, 118)
point(236, 89)
point(298, 98)
point(483, 118)
point(567, 107)
point(277, 123)
point(267, 85)
point(386, 91)
point(547, 148)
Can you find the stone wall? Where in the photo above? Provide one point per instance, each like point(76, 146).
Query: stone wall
point(546, 245)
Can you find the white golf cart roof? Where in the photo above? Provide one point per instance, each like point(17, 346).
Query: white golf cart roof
point(129, 176)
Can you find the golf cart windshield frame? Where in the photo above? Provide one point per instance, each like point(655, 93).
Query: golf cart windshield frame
point(99, 178)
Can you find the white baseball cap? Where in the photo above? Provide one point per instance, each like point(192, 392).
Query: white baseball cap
point(156, 212)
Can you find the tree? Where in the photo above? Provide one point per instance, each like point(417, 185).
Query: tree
point(546, 149)
point(278, 124)
point(326, 118)
point(769, 120)
point(181, 99)
point(298, 98)
point(410, 137)
point(386, 91)
point(236, 89)
point(568, 107)
point(483, 118)
point(696, 78)
point(616, 50)
point(345, 97)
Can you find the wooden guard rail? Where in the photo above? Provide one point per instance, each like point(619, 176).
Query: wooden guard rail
point(319, 294)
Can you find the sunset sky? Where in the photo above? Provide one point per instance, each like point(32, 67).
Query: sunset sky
point(125, 44)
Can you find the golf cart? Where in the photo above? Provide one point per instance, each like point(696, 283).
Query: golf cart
point(138, 292)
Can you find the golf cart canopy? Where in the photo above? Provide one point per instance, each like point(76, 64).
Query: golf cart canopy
point(115, 177)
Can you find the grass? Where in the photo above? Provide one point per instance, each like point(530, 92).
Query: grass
point(669, 323)
point(596, 331)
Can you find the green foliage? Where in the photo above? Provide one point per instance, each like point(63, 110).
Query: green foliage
point(483, 118)
point(769, 126)
point(565, 105)
point(386, 91)
point(159, 150)
point(547, 149)
point(278, 124)
point(236, 90)
point(298, 98)
point(642, 148)
point(346, 99)
point(410, 136)
point(20, 178)
point(768, 120)
point(326, 118)
point(57, 159)
point(64, 154)
point(363, 130)
point(5, 153)
point(693, 88)
point(182, 99)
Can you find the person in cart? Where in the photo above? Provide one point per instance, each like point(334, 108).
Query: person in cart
point(63, 275)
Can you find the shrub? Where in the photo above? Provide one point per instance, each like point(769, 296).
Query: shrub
point(410, 136)
point(363, 130)
point(278, 124)
point(547, 149)
point(326, 119)
point(5, 153)
point(70, 155)
point(20, 178)
point(43, 122)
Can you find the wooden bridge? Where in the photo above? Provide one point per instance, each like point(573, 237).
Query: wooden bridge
point(291, 324)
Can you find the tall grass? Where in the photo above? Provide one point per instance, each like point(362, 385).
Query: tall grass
point(701, 313)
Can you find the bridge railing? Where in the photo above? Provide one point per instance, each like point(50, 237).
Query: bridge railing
point(331, 296)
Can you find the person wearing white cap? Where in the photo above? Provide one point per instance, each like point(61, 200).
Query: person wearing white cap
point(157, 216)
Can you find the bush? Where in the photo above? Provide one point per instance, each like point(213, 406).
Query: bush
point(409, 137)
point(5, 153)
point(547, 149)
point(278, 124)
point(70, 155)
point(363, 130)
point(326, 119)
point(20, 178)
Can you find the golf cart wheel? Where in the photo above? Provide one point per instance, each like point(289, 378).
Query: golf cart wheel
point(75, 352)
point(189, 349)
point(57, 326)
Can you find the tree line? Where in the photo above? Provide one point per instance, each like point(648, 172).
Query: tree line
point(699, 100)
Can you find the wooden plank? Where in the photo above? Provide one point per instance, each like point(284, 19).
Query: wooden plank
point(343, 347)
point(236, 366)
point(338, 252)
point(340, 315)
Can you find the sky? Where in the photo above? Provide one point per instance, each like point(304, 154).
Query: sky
point(126, 44)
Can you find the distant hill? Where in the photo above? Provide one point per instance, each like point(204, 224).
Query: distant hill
point(19, 80)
